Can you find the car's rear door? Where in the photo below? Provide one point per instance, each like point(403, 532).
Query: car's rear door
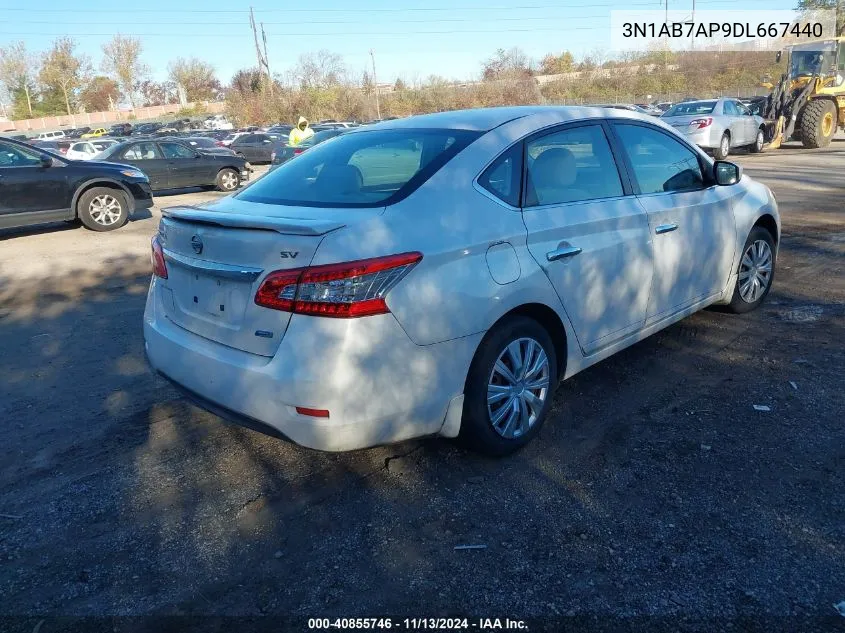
point(146, 156)
point(734, 122)
point(691, 220)
point(245, 146)
point(186, 168)
point(587, 232)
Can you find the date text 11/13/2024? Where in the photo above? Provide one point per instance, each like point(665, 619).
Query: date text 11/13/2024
point(419, 624)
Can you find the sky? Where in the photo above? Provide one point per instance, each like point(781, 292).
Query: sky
point(411, 40)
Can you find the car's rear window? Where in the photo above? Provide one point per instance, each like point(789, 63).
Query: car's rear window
point(694, 107)
point(362, 169)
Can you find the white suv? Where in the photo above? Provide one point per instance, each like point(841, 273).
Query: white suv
point(47, 136)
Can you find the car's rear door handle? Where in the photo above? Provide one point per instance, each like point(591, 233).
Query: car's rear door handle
point(563, 251)
point(665, 228)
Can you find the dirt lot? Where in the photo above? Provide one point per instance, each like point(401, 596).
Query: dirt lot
point(656, 496)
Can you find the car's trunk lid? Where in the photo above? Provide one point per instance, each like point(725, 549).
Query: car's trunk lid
point(218, 255)
point(682, 122)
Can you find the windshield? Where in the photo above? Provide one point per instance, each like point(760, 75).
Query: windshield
point(365, 169)
point(692, 107)
point(811, 62)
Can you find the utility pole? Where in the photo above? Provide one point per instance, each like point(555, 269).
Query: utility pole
point(267, 59)
point(375, 83)
point(263, 66)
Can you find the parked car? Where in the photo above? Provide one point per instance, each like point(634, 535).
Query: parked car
point(218, 122)
point(256, 147)
point(59, 146)
point(664, 105)
point(718, 125)
point(171, 164)
point(87, 150)
point(49, 136)
point(438, 274)
point(229, 138)
point(77, 132)
point(38, 186)
point(624, 106)
point(204, 144)
point(147, 128)
point(100, 131)
point(281, 130)
point(282, 152)
point(121, 129)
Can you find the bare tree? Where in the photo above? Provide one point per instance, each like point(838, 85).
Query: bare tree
point(17, 71)
point(63, 70)
point(512, 63)
point(322, 69)
point(196, 77)
point(122, 59)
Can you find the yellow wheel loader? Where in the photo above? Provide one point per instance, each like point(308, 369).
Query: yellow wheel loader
point(808, 104)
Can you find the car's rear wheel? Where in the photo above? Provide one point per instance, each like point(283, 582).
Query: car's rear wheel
point(228, 180)
point(102, 209)
point(756, 271)
point(509, 387)
point(724, 148)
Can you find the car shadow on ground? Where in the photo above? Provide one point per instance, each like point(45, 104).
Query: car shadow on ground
point(655, 490)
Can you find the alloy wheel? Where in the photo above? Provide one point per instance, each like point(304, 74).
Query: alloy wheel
point(105, 210)
point(755, 271)
point(518, 387)
point(229, 180)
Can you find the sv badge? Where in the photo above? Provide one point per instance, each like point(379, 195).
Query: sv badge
point(289, 254)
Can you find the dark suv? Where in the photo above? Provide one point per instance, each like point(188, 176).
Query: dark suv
point(38, 186)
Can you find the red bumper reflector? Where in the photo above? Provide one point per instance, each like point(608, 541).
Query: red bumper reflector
point(314, 413)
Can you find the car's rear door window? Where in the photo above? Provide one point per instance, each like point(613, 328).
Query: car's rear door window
point(659, 162)
point(360, 169)
point(176, 150)
point(570, 165)
point(504, 177)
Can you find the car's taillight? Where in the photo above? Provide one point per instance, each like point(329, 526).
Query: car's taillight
point(157, 256)
point(220, 144)
point(701, 123)
point(351, 289)
point(297, 152)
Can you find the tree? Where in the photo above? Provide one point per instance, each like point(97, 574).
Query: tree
point(557, 64)
point(101, 93)
point(400, 85)
point(17, 72)
point(367, 85)
point(322, 69)
point(247, 81)
point(156, 93)
point(63, 70)
point(122, 60)
point(196, 78)
point(832, 5)
point(512, 63)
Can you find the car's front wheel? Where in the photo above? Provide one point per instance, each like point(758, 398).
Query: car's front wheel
point(102, 209)
point(509, 387)
point(228, 180)
point(756, 271)
point(759, 142)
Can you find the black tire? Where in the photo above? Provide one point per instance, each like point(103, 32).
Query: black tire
point(102, 209)
point(740, 304)
point(721, 152)
point(818, 123)
point(759, 142)
point(224, 181)
point(477, 429)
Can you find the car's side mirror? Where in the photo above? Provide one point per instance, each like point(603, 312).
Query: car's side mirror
point(726, 173)
point(46, 161)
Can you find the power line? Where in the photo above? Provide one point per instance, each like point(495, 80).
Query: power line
point(623, 6)
point(338, 34)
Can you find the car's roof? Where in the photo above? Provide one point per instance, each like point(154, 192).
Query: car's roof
point(485, 119)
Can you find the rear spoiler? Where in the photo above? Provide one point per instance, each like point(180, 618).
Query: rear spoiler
point(288, 226)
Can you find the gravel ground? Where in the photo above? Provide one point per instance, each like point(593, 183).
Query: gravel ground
point(655, 498)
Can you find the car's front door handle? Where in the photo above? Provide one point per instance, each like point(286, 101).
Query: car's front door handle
point(665, 228)
point(563, 251)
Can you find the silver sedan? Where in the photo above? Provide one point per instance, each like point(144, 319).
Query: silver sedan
point(717, 124)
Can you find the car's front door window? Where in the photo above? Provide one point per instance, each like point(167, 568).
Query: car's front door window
point(660, 163)
point(176, 150)
point(15, 156)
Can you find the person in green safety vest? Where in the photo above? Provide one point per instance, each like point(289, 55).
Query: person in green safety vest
point(300, 132)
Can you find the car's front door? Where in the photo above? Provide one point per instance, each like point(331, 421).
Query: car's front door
point(27, 186)
point(245, 146)
point(734, 123)
point(590, 238)
point(184, 165)
point(147, 157)
point(749, 123)
point(691, 220)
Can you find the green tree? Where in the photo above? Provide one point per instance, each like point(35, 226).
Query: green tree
point(122, 60)
point(63, 71)
point(557, 64)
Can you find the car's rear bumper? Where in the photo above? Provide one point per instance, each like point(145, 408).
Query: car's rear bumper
point(378, 386)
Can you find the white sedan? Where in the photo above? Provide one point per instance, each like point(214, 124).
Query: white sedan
point(438, 275)
point(86, 150)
